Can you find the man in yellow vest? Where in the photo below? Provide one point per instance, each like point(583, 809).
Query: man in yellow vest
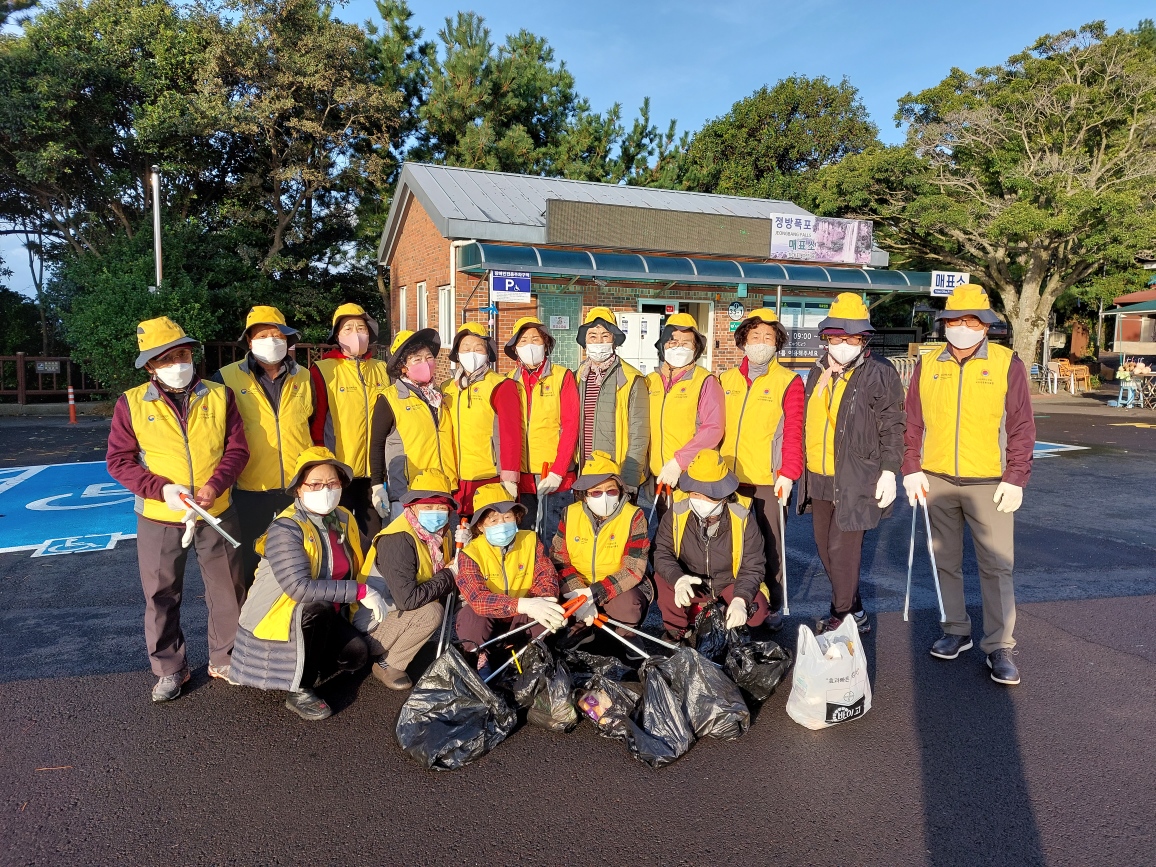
point(346, 384)
point(174, 435)
point(687, 409)
point(709, 548)
point(613, 405)
point(969, 442)
point(549, 423)
point(275, 398)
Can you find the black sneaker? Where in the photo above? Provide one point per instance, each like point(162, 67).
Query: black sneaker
point(951, 646)
point(1003, 669)
point(168, 688)
point(308, 705)
point(861, 622)
point(774, 622)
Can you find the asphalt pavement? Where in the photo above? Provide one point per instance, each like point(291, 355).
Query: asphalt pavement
point(947, 767)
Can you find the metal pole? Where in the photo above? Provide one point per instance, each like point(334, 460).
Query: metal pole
point(779, 302)
point(156, 176)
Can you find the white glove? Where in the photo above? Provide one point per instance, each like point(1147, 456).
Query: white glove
point(453, 567)
point(380, 497)
point(670, 473)
point(783, 487)
point(463, 535)
point(511, 489)
point(190, 522)
point(172, 500)
point(549, 484)
point(589, 610)
point(885, 489)
point(916, 486)
point(545, 611)
point(736, 613)
point(683, 590)
point(375, 603)
point(1008, 497)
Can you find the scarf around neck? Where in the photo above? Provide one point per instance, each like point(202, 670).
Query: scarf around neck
point(433, 541)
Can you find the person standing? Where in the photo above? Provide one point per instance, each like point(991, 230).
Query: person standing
point(764, 434)
point(275, 398)
point(613, 406)
point(687, 410)
point(178, 434)
point(854, 446)
point(347, 382)
point(486, 416)
point(412, 429)
point(549, 422)
point(969, 443)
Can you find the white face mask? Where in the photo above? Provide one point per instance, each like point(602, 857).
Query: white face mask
point(679, 356)
point(599, 352)
point(176, 375)
point(532, 354)
point(705, 508)
point(471, 361)
point(270, 350)
point(603, 506)
point(845, 353)
point(962, 337)
point(321, 502)
point(760, 353)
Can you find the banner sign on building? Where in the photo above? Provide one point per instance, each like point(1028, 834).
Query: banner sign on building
point(821, 239)
point(943, 283)
point(510, 287)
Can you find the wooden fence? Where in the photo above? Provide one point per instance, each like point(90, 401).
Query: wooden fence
point(23, 376)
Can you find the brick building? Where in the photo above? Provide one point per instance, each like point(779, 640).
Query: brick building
point(645, 253)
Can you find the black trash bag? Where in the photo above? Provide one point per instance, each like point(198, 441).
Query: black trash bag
point(529, 675)
point(711, 702)
point(451, 718)
point(758, 667)
point(711, 635)
point(544, 687)
point(608, 704)
point(583, 666)
point(659, 732)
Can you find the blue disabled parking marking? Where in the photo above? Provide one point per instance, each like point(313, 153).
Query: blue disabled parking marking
point(1046, 450)
point(63, 509)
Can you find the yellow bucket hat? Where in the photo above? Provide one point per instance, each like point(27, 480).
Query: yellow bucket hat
point(708, 474)
point(406, 342)
point(430, 484)
point(478, 330)
point(493, 496)
point(848, 314)
point(969, 300)
point(350, 309)
point(764, 315)
point(155, 337)
point(681, 322)
point(597, 470)
point(313, 456)
point(603, 316)
point(262, 314)
point(522, 324)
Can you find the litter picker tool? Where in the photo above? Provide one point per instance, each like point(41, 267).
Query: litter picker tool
point(540, 520)
point(601, 620)
point(910, 559)
point(190, 503)
point(922, 501)
point(571, 606)
point(658, 641)
point(513, 660)
point(657, 494)
point(783, 556)
point(451, 599)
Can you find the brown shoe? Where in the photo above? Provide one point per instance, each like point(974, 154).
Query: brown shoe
point(392, 678)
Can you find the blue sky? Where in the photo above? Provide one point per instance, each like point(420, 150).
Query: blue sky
point(695, 59)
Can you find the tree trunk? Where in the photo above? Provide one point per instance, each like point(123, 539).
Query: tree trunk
point(1027, 329)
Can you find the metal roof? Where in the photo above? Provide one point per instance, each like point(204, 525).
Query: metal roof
point(477, 258)
point(1142, 307)
point(498, 206)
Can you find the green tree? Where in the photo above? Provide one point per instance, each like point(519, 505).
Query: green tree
point(1033, 176)
point(771, 143)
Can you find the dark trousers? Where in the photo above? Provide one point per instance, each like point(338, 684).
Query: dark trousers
point(556, 503)
point(256, 511)
point(841, 552)
point(629, 607)
point(474, 629)
point(765, 507)
point(358, 498)
point(332, 644)
point(162, 576)
point(677, 620)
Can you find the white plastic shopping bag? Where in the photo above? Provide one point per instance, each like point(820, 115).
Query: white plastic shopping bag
point(829, 684)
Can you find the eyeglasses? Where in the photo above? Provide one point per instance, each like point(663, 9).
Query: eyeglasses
point(596, 494)
point(970, 321)
point(312, 487)
point(853, 339)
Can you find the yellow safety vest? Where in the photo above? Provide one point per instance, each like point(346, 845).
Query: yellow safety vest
point(401, 524)
point(757, 411)
point(185, 454)
point(676, 414)
point(352, 386)
point(822, 412)
point(740, 513)
point(425, 445)
point(597, 555)
point(512, 575)
point(542, 417)
point(963, 413)
point(475, 426)
point(276, 623)
point(275, 438)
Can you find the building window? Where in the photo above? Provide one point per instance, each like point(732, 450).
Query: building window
point(401, 309)
point(446, 315)
point(422, 307)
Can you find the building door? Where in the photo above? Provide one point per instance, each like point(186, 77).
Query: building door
point(562, 315)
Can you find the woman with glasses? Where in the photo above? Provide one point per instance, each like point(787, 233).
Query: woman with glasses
point(297, 625)
point(853, 442)
point(601, 546)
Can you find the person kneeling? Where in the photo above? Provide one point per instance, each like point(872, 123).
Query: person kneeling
point(504, 575)
point(414, 558)
point(709, 547)
point(296, 629)
point(601, 546)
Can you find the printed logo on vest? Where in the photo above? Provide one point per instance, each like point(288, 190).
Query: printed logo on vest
point(985, 373)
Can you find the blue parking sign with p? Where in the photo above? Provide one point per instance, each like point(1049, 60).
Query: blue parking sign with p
point(510, 287)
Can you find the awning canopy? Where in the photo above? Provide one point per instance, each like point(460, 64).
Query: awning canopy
point(477, 258)
point(1142, 307)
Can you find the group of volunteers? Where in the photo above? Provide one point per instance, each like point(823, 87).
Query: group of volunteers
point(351, 485)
